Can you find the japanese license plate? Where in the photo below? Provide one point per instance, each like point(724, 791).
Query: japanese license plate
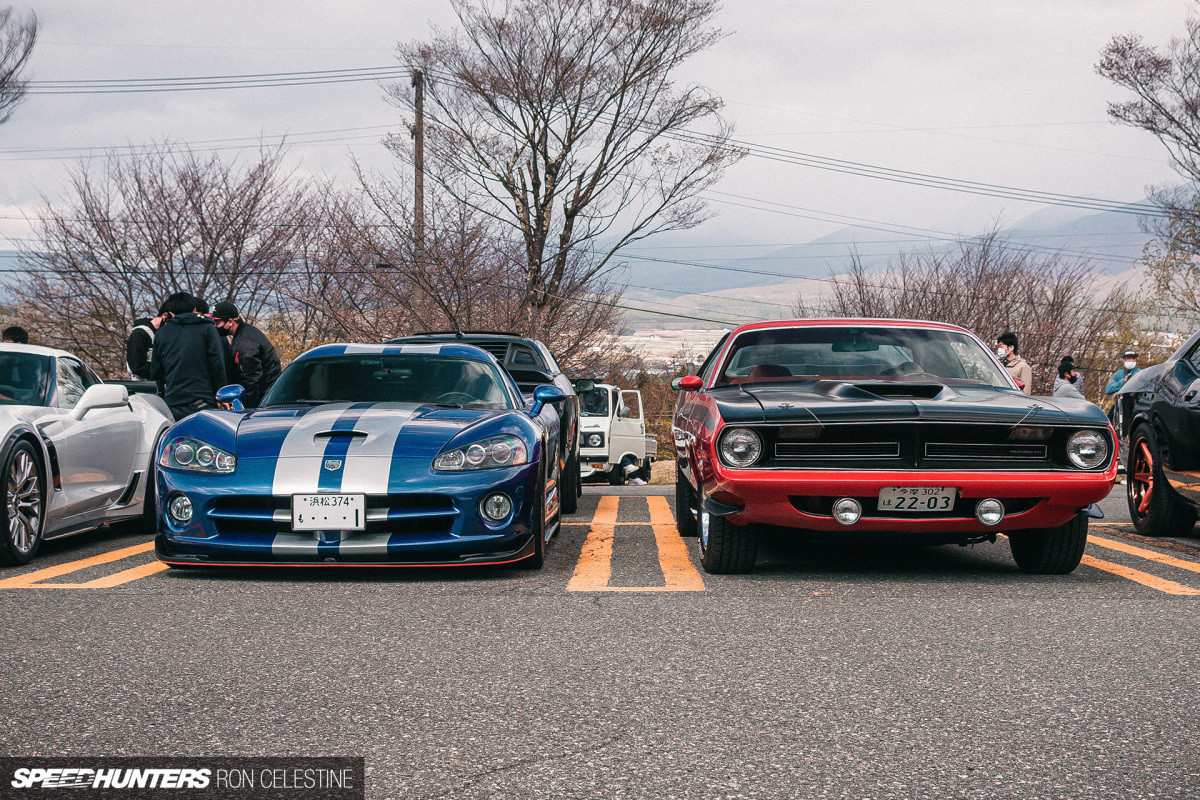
point(917, 498)
point(329, 512)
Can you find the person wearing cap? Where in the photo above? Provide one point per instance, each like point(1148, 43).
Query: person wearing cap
point(1067, 382)
point(187, 363)
point(1018, 367)
point(255, 363)
point(139, 347)
point(1128, 369)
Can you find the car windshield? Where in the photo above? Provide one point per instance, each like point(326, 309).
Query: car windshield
point(594, 403)
point(854, 353)
point(387, 378)
point(23, 379)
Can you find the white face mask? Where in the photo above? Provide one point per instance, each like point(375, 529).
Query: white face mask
point(1002, 351)
point(1130, 365)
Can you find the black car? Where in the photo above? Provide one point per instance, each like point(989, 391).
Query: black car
point(531, 364)
point(1159, 412)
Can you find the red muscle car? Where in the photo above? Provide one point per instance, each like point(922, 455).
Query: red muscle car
point(881, 425)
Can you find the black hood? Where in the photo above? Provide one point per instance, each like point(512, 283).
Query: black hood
point(830, 402)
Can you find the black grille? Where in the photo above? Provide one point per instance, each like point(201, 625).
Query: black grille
point(498, 349)
point(269, 514)
point(836, 450)
point(974, 450)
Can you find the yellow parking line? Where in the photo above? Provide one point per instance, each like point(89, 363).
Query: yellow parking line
point(29, 579)
point(1144, 578)
point(1141, 552)
point(594, 568)
point(680, 574)
point(109, 581)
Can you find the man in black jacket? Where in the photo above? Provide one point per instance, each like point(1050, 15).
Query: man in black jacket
point(187, 364)
point(256, 364)
point(140, 346)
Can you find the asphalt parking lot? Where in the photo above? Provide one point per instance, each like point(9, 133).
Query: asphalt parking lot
point(843, 668)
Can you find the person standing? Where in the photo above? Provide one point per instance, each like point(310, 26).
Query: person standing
point(255, 363)
point(187, 363)
point(15, 335)
point(1067, 382)
point(1018, 367)
point(1128, 369)
point(140, 346)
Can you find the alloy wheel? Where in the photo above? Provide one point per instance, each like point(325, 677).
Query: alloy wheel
point(24, 502)
point(1141, 482)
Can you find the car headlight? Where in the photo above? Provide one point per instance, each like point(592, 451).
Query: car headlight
point(1087, 449)
point(184, 452)
point(490, 453)
point(740, 447)
point(593, 440)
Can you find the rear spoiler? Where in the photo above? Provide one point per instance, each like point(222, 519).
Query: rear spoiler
point(137, 387)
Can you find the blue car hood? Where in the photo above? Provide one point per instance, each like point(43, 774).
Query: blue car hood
point(385, 430)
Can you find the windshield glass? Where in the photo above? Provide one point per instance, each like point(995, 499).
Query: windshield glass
point(594, 403)
point(418, 378)
point(846, 353)
point(23, 379)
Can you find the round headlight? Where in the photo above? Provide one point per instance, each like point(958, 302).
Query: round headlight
point(476, 453)
point(1087, 449)
point(496, 507)
point(595, 440)
point(180, 508)
point(989, 511)
point(740, 447)
point(185, 454)
point(847, 510)
point(205, 456)
point(501, 453)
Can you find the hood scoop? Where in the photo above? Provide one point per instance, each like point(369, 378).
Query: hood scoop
point(883, 390)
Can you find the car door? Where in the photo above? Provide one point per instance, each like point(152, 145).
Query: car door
point(628, 428)
point(96, 453)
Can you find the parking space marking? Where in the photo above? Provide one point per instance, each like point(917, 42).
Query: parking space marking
point(1137, 576)
point(1141, 552)
point(34, 580)
point(593, 571)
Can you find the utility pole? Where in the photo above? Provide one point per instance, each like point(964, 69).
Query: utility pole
point(418, 134)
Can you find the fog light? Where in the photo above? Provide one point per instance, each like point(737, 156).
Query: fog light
point(496, 507)
point(180, 509)
point(989, 511)
point(847, 510)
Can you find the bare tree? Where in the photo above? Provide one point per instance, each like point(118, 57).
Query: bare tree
point(558, 119)
point(362, 278)
point(989, 286)
point(143, 226)
point(17, 38)
point(1166, 102)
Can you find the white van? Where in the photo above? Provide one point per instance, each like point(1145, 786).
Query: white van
point(612, 435)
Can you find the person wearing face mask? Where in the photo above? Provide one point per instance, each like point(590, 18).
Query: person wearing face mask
point(1129, 368)
point(1067, 383)
point(1018, 367)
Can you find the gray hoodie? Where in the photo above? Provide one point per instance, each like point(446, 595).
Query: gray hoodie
point(1064, 388)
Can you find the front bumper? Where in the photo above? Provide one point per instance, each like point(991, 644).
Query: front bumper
point(797, 499)
point(431, 520)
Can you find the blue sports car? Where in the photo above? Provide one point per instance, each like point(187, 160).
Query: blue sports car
point(399, 455)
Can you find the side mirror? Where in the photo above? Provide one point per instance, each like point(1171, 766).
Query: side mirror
point(688, 383)
point(1020, 383)
point(583, 386)
point(544, 395)
point(102, 395)
point(233, 394)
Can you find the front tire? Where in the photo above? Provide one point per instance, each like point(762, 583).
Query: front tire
point(538, 559)
point(685, 502)
point(569, 488)
point(1154, 507)
point(24, 509)
point(725, 548)
point(1051, 551)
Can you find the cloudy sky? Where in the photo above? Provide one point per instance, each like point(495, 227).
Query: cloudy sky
point(1003, 93)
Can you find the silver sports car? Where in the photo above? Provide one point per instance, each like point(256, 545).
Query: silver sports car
point(76, 452)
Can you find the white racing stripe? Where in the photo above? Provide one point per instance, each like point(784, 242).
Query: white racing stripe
point(369, 461)
point(352, 543)
point(294, 544)
point(298, 467)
